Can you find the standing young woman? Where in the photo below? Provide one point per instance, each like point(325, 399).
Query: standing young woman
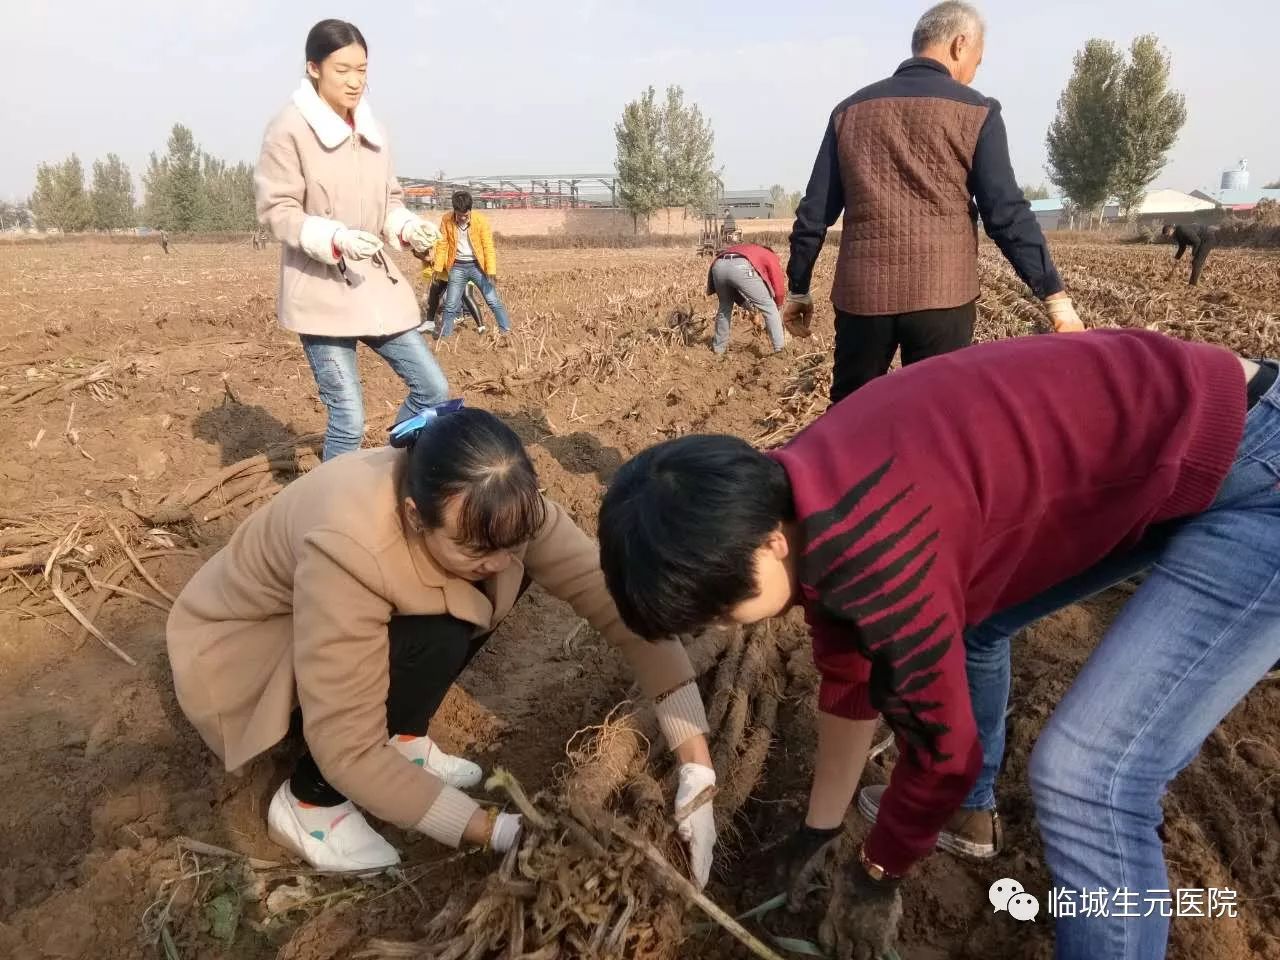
point(327, 190)
point(357, 596)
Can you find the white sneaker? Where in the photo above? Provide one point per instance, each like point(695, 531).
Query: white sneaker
point(339, 840)
point(881, 741)
point(971, 834)
point(455, 771)
point(427, 326)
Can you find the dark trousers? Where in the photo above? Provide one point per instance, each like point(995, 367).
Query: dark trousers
point(865, 345)
point(426, 655)
point(435, 302)
point(1198, 258)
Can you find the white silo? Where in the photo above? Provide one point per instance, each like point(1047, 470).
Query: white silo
point(1237, 179)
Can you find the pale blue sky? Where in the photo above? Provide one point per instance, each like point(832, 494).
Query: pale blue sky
point(522, 87)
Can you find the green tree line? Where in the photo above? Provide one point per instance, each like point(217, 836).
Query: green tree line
point(666, 154)
point(184, 190)
point(1116, 122)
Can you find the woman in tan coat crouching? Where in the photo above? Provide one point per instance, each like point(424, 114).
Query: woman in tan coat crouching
point(358, 595)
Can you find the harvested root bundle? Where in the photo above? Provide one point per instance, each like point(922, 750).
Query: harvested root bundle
point(572, 887)
point(593, 874)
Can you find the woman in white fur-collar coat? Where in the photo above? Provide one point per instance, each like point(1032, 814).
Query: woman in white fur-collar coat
point(326, 188)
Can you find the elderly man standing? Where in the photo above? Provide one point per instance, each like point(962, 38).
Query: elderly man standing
point(913, 161)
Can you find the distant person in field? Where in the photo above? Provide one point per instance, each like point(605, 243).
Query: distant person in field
point(465, 254)
point(747, 275)
point(730, 225)
point(347, 607)
point(912, 161)
point(327, 190)
point(986, 485)
point(164, 241)
point(1194, 236)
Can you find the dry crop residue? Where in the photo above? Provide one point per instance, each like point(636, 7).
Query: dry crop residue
point(131, 380)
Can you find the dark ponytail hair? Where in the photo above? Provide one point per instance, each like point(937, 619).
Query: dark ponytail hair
point(473, 455)
point(330, 35)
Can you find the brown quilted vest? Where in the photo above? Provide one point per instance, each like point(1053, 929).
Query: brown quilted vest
point(910, 239)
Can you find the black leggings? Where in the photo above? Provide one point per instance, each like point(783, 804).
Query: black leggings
point(435, 301)
point(426, 655)
point(865, 345)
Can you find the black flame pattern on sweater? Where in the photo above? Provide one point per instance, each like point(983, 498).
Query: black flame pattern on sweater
point(872, 581)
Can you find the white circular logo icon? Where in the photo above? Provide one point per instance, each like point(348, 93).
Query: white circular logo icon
point(1001, 891)
point(1023, 906)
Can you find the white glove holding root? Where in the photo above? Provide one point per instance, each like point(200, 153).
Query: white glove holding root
point(1063, 316)
point(506, 832)
point(421, 235)
point(356, 244)
point(695, 817)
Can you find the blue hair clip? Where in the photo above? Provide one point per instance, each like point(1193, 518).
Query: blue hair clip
point(406, 431)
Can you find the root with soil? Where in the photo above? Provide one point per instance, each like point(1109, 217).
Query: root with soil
point(593, 874)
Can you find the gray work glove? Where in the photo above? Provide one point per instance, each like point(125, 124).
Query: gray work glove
point(800, 859)
point(863, 916)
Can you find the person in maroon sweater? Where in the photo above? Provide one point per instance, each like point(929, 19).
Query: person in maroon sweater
point(966, 485)
point(749, 275)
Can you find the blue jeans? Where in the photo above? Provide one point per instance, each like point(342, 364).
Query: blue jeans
point(459, 274)
point(333, 361)
point(987, 649)
point(1199, 633)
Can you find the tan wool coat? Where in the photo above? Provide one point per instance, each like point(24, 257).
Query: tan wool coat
point(317, 174)
point(294, 611)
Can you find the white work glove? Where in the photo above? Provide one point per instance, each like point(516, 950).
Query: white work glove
point(356, 244)
point(697, 827)
point(1063, 316)
point(506, 832)
point(421, 235)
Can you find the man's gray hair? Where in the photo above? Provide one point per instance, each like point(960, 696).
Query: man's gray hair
point(944, 21)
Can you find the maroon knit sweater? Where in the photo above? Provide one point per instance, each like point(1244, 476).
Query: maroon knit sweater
point(969, 483)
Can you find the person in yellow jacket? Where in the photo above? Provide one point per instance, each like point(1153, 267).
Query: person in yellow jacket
point(465, 252)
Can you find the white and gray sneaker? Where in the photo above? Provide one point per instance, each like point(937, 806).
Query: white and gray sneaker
point(971, 834)
point(881, 741)
point(330, 839)
point(427, 326)
point(455, 771)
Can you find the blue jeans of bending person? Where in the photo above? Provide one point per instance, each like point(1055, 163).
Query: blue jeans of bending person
point(987, 648)
point(1201, 630)
point(459, 275)
point(736, 281)
point(333, 362)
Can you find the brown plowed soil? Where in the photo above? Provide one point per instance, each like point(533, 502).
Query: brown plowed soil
point(103, 776)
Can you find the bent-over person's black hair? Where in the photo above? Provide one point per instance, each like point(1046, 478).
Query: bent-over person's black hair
point(679, 527)
point(462, 201)
point(473, 455)
point(330, 35)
